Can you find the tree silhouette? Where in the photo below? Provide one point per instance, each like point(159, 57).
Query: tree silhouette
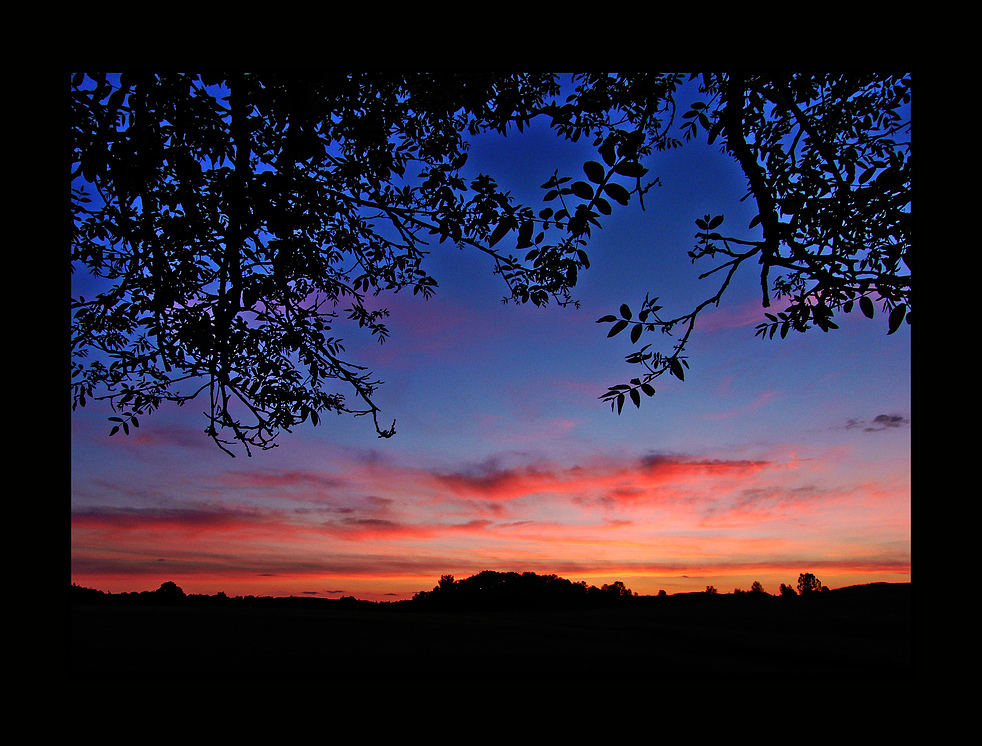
point(232, 221)
point(233, 218)
point(170, 591)
point(756, 587)
point(617, 589)
point(827, 161)
point(808, 583)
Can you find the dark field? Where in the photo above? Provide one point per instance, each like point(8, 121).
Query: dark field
point(859, 630)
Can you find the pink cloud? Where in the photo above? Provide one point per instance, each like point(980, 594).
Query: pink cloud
point(762, 400)
point(749, 313)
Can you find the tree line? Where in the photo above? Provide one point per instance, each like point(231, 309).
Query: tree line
point(487, 590)
point(171, 594)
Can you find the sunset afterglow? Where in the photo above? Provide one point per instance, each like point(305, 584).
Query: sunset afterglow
point(773, 458)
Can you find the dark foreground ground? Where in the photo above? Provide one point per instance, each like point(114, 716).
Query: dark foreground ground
point(864, 630)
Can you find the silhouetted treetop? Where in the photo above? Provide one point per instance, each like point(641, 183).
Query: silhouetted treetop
point(233, 222)
point(170, 590)
point(808, 583)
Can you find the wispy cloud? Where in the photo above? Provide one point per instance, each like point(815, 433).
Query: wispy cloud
point(879, 423)
point(748, 313)
point(760, 401)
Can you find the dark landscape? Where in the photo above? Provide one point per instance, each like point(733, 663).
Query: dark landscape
point(495, 623)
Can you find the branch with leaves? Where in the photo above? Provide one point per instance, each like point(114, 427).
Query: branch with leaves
point(827, 161)
point(229, 222)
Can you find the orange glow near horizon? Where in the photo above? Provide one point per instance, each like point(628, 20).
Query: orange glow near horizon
point(385, 532)
point(399, 587)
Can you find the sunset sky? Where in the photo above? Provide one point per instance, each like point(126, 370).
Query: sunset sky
point(773, 458)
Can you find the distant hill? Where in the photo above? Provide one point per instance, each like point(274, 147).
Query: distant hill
point(489, 590)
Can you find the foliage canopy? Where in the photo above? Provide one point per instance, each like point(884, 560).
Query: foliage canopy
point(232, 219)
